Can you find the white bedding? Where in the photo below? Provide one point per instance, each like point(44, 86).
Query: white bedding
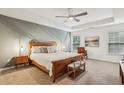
point(45, 59)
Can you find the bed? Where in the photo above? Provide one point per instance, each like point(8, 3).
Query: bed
point(54, 64)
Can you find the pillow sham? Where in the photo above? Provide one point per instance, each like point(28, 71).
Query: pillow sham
point(36, 49)
point(51, 49)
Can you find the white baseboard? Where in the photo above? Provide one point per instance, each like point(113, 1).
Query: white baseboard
point(103, 60)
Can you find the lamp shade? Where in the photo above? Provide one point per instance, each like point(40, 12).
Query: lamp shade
point(22, 49)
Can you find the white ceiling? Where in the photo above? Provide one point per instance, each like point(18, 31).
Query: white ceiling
point(46, 16)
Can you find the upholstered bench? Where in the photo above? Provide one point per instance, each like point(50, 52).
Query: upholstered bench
point(75, 68)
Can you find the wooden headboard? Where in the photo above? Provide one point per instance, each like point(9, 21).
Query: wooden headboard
point(50, 43)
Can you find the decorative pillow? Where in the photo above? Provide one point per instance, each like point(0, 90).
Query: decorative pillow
point(51, 49)
point(41, 49)
point(44, 50)
point(36, 49)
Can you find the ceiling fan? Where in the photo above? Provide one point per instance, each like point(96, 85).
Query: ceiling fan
point(72, 16)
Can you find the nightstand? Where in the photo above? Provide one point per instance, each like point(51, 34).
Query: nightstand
point(83, 52)
point(21, 60)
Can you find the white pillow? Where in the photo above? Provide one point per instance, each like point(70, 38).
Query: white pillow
point(36, 49)
point(51, 49)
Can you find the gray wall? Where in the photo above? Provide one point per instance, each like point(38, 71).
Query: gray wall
point(14, 33)
point(9, 44)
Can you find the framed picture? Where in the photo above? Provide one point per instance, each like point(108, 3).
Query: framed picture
point(92, 41)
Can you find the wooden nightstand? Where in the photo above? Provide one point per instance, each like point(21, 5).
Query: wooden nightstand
point(21, 60)
point(83, 52)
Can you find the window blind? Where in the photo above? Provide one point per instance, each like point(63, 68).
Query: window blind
point(116, 43)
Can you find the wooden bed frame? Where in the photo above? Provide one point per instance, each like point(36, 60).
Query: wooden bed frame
point(59, 67)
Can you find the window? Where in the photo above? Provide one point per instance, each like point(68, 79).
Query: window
point(76, 42)
point(116, 43)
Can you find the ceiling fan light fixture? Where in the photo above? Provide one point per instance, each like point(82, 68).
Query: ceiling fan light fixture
point(70, 18)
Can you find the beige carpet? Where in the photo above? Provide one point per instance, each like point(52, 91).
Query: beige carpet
point(97, 73)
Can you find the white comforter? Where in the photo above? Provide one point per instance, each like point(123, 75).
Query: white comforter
point(45, 59)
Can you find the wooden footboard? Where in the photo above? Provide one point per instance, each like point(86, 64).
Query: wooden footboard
point(59, 67)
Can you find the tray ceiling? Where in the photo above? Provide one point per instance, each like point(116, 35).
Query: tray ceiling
point(46, 16)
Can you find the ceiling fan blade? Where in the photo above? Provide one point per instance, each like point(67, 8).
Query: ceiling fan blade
point(62, 16)
point(81, 14)
point(77, 20)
